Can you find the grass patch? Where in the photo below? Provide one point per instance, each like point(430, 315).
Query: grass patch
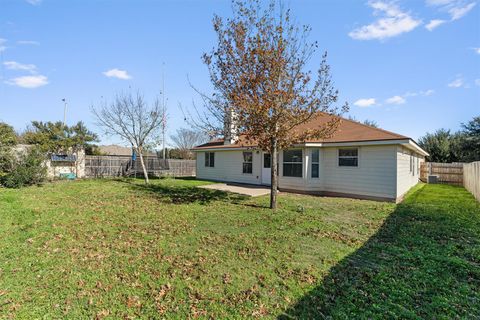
point(120, 249)
point(424, 262)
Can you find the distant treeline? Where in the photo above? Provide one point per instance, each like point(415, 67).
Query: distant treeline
point(461, 146)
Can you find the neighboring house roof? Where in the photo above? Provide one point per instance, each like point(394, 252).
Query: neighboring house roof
point(348, 131)
point(116, 150)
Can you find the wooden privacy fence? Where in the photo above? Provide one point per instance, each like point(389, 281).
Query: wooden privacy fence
point(118, 166)
point(106, 166)
point(181, 168)
point(471, 172)
point(449, 173)
point(462, 174)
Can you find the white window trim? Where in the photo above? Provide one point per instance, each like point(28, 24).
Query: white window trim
point(312, 163)
point(412, 165)
point(205, 155)
point(243, 162)
point(285, 162)
point(348, 167)
point(263, 160)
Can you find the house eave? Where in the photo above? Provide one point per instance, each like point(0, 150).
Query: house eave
point(412, 145)
point(408, 143)
point(352, 143)
point(221, 148)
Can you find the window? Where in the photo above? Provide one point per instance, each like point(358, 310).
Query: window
point(315, 163)
point(348, 157)
point(418, 165)
point(267, 160)
point(411, 164)
point(292, 163)
point(210, 159)
point(247, 162)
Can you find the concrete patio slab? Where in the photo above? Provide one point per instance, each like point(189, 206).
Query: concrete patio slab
point(245, 189)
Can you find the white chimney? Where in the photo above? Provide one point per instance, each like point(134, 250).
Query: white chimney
point(230, 129)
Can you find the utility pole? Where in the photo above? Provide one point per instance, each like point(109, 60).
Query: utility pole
point(164, 111)
point(64, 112)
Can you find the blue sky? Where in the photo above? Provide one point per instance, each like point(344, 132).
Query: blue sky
point(412, 66)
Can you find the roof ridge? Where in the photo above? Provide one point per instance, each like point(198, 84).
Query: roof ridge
point(374, 128)
point(351, 129)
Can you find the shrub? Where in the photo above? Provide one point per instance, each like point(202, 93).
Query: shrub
point(27, 168)
point(8, 137)
point(6, 162)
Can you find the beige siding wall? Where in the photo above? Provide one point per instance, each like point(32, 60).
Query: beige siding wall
point(375, 175)
point(228, 167)
point(406, 178)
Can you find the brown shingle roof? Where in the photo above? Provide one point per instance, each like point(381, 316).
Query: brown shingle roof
point(115, 150)
point(348, 131)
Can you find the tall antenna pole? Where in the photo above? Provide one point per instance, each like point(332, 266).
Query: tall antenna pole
point(64, 112)
point(164, 110)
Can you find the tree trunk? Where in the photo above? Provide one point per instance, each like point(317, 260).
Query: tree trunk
point(145, 173)
point(274, 175)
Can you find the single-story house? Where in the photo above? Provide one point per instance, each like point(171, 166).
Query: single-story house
point(358, 161)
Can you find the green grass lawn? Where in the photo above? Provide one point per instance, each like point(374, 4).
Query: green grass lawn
point(120, 249)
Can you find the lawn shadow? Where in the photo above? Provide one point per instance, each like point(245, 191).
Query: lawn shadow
point(185, 194)
point(422, 263)
point(184, 178)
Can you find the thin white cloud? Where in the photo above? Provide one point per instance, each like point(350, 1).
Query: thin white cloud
point(396, 100)
point(13, 65)
point(455, 8)
point(117, 73)
point(29, 82)
point(457, 83)
point(393, 22)
point(458, 12)
point(34, 2)
point(2, 46)
point(477, 50)
point(365, 102)
point(411, 94)
point(433, 24)
point(439, 2)
point(28, 42)
point(424, 93)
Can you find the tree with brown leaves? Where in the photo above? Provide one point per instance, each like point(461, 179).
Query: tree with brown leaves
point(261, 85)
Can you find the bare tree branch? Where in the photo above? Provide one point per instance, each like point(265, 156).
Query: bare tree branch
point(132, 119)
point(185, 139)
point(258, 72)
